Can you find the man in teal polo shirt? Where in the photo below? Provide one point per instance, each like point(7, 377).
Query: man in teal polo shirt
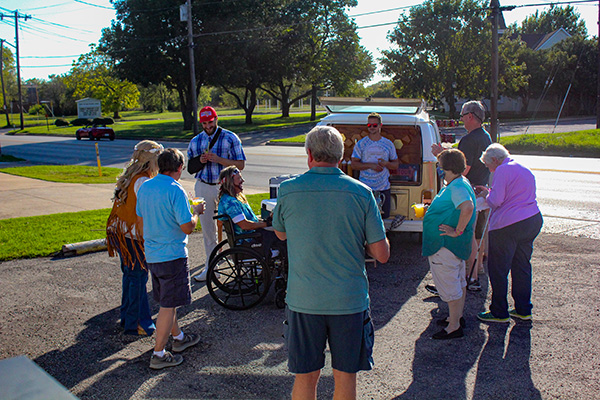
point(328, 218)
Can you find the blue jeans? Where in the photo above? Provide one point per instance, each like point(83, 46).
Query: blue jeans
point(135, 309)
point(510, 251)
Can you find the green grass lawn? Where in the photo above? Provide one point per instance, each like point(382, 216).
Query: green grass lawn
point(580, 143)
point(40, 236)
point(172, 128)
point(66, 173)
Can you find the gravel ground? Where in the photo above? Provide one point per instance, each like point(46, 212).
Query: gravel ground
point(63, 314)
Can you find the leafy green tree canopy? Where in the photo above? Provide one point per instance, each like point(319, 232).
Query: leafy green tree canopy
point(93, 75)
point(555, 18)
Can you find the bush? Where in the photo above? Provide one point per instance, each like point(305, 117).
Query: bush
point(81, 122)
point(36, 109)
point(103, 121)
point(61, 122)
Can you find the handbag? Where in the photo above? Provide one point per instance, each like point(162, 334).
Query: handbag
point(194, 164)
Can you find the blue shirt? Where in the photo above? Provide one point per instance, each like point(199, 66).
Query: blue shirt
point(164, 206)
point(443, 210)
point(228, 146)
point(327, 217)
point(371, 151)
point(238, 211)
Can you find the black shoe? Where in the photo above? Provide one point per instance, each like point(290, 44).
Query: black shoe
point(442, 335)
point(432, 289)
point(444, 322)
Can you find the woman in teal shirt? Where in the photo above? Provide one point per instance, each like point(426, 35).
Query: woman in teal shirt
point(447, 234)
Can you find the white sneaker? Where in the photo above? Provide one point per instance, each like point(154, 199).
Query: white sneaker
point(201, 277)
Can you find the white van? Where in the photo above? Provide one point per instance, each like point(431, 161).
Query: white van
point(407, 124)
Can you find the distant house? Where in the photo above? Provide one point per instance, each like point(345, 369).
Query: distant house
point(543, 41)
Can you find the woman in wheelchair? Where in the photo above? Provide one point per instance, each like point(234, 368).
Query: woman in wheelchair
point(233, 203)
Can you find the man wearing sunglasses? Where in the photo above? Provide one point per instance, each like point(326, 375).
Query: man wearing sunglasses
point(473, 145)
point(374, 156)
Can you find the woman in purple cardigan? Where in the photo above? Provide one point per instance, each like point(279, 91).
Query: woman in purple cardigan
point(515, 222)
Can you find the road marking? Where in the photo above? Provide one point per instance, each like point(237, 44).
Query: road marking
point(572, 219)
point(565, 170)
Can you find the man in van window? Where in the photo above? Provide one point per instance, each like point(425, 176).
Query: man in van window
point(374, 156)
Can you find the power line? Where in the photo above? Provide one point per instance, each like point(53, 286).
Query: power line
point(93, 5)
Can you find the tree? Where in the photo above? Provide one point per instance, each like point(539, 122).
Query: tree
point(553, 19)
point(438, 51)
point(158, 98)
point(93, 75)
point(319, 51)
point(56, 91)
point(251, 51)
point(149, 43)
point(442, 51)
point(9, 76)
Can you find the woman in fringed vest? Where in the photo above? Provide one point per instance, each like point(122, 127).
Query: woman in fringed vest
point(125, 237)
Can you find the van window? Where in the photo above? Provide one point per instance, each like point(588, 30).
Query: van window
point(408, 143)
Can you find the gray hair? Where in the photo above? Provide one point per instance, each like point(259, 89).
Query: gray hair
point(325, 144)
point(474, 107)
point(494, 150)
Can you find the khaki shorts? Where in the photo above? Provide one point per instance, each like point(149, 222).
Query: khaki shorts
point(448, 273)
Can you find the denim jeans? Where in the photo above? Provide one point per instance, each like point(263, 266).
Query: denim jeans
point(510, 250)
point(135, 309)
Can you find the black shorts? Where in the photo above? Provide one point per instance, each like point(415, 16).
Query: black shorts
point(171, 283)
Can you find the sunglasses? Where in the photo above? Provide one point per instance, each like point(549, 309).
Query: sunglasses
point(372, 125)
point(235, 172)
point(158, 149)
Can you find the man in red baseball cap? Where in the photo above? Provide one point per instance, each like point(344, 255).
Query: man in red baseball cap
point(208, 153)
point(208, 114)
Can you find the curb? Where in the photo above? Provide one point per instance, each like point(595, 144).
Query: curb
point(75, 249)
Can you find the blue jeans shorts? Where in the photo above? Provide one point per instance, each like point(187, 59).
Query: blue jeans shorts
point(350, 339)
point(171, 283)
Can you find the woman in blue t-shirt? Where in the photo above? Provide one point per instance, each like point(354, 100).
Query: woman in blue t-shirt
point(233, 203)
point(447, 234)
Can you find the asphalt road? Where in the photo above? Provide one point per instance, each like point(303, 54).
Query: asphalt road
point(63, 314)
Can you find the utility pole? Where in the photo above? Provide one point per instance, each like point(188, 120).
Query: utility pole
point(16, 17)
point(193, 97)
point(598, 89)
point(2, 81)
point(495, 6)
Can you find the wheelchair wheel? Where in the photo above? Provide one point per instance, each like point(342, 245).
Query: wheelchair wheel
point(222, 246)
point(238, 278)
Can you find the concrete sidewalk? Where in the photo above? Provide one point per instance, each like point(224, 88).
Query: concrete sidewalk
point(26, 197)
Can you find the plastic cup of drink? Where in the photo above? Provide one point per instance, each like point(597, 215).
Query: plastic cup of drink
point(197, 200)
point(419, 210)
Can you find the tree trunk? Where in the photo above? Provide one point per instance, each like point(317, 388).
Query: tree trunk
point(313, 103)
point(186, 110)
point(250, 108)
point(116, 114)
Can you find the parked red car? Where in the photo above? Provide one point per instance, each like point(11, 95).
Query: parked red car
point(95, 132)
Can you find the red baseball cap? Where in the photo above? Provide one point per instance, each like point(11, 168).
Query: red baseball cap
point(207, 114)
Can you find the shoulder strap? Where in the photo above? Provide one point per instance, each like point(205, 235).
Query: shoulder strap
point(214, 139)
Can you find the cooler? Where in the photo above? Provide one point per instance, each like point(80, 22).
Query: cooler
point(275, 181)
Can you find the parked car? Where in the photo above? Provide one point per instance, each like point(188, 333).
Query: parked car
point(95, 132)
point(407, 124)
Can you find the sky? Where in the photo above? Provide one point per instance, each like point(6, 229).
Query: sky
point(58, 31)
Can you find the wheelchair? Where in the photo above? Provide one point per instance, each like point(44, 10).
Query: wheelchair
point(239, 274)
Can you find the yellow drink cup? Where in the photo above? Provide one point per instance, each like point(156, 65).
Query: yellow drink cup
point(419, 210)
